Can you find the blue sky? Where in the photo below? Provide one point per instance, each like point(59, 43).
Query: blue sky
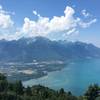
point(55, 19)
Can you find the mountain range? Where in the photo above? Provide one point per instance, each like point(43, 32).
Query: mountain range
point(43, 49)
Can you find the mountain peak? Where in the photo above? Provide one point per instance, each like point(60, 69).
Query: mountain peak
point(41, 48)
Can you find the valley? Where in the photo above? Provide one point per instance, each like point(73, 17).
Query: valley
point(25, 71)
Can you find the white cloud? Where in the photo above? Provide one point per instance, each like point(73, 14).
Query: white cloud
point(0, 7)
point(6, 12)
point(11, 35)
point(72, 31)
point(7, 29)
point(85, 13)
point(67, 23)
point(5, 19)
point(87, 24)
point(34, 12)
point(43, 26)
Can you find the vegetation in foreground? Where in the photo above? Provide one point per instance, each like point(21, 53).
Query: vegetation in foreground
point(16, 91)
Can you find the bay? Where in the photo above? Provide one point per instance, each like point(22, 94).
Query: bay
point(75, 77)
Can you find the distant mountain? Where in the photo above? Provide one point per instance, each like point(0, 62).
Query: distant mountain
point(43, 49)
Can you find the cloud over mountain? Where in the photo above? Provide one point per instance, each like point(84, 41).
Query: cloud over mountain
point(5, 19)
point(66, 24)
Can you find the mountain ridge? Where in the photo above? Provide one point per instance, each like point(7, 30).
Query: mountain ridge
point(43, 49)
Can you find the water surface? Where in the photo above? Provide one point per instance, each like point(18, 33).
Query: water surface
point(75, 77)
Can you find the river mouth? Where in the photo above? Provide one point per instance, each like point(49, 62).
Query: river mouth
point(75, 76)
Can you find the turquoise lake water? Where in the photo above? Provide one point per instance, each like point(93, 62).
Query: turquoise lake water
point(75, 77)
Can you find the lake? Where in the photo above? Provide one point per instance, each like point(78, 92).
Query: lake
point(75, 77)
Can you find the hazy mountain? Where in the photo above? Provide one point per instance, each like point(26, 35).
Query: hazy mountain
point(39, 48)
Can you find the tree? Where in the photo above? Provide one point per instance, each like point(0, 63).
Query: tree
point(28, 91)
point(2, 77)
point(61, 91)
point(18, 87)
point(3, 85)
point(92, 92)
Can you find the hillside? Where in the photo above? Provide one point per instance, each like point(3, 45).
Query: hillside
point(43, 49)
point(16, 91)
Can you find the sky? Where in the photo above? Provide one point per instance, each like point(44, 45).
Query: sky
point(73, 20)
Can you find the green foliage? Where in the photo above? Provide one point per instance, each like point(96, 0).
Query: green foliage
point(2, 77)
point(93, 92)
point(61, 92)
point(16, 91)
point(18, 87)
point(28, 91)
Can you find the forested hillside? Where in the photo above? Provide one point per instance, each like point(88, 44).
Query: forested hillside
point(16, 91)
